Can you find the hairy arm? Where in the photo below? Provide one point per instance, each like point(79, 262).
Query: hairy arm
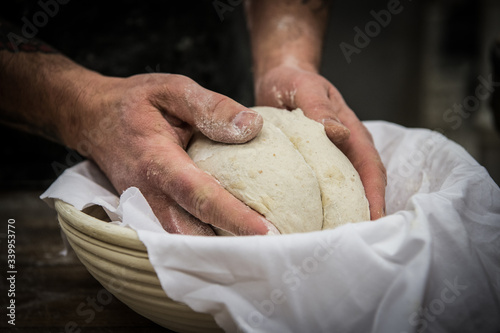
point(40, 89)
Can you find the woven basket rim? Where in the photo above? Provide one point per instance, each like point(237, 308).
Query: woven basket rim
point(99, 229)
point(92, 236)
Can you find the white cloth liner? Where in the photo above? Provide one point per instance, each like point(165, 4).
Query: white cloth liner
point(431, 265)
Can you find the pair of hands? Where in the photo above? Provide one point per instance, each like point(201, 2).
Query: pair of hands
point(153, 116)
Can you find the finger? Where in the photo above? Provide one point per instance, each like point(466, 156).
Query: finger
point(323, 106)
point(216, 116)
point(174, 219)
point(201, 195)
point(361, 151)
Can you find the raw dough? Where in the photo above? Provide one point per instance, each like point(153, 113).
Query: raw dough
point(291, 173)
point(342, 192)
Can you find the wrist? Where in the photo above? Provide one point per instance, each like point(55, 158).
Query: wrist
point(261, 69)
point(80, 114)
point(303, 54)
point(286, 34)
point(273, 75)
point(48, 95)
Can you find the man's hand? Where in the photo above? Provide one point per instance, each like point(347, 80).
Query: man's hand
point(153, 117)
point(136, 129)
point(291, 88)
point(286, 46)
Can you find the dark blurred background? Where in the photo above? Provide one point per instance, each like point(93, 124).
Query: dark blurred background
point(412, 71)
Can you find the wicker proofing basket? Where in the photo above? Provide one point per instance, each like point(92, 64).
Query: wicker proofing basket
point(119, 261)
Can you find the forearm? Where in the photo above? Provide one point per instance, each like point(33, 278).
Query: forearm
point(42, 91)
point(286, 33)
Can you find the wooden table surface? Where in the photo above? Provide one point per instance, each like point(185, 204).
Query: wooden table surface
point(53, 291)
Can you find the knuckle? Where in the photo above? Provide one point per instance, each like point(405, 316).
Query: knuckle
point(177, 79)
point(174, 83)
point(334, 94)
point(171, 84)
point(318, 105)
point(197, 195)
point(150, 170)
point(323, 110)
point(210, 109)
point(202, 202)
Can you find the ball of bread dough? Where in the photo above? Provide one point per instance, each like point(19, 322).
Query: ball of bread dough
point(290, 172)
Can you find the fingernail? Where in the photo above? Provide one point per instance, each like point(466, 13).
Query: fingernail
point(245, 119)
point(336, 131)
point(246, 125)
point(272, 230)
point(331, 122)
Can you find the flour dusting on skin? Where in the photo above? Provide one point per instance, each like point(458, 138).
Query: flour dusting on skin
point(279, 97)
point(222, 131)
point(245, 127)
point(197, 99)
point(237, 131)
point(188, 93)
point(211, 123)
point(291, 61)
point(291, 97)
point(286, 22)
point(272, 230)
point(152, 172)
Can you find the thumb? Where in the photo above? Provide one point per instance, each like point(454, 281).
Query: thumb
point(216, 116)
point(229, 122)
